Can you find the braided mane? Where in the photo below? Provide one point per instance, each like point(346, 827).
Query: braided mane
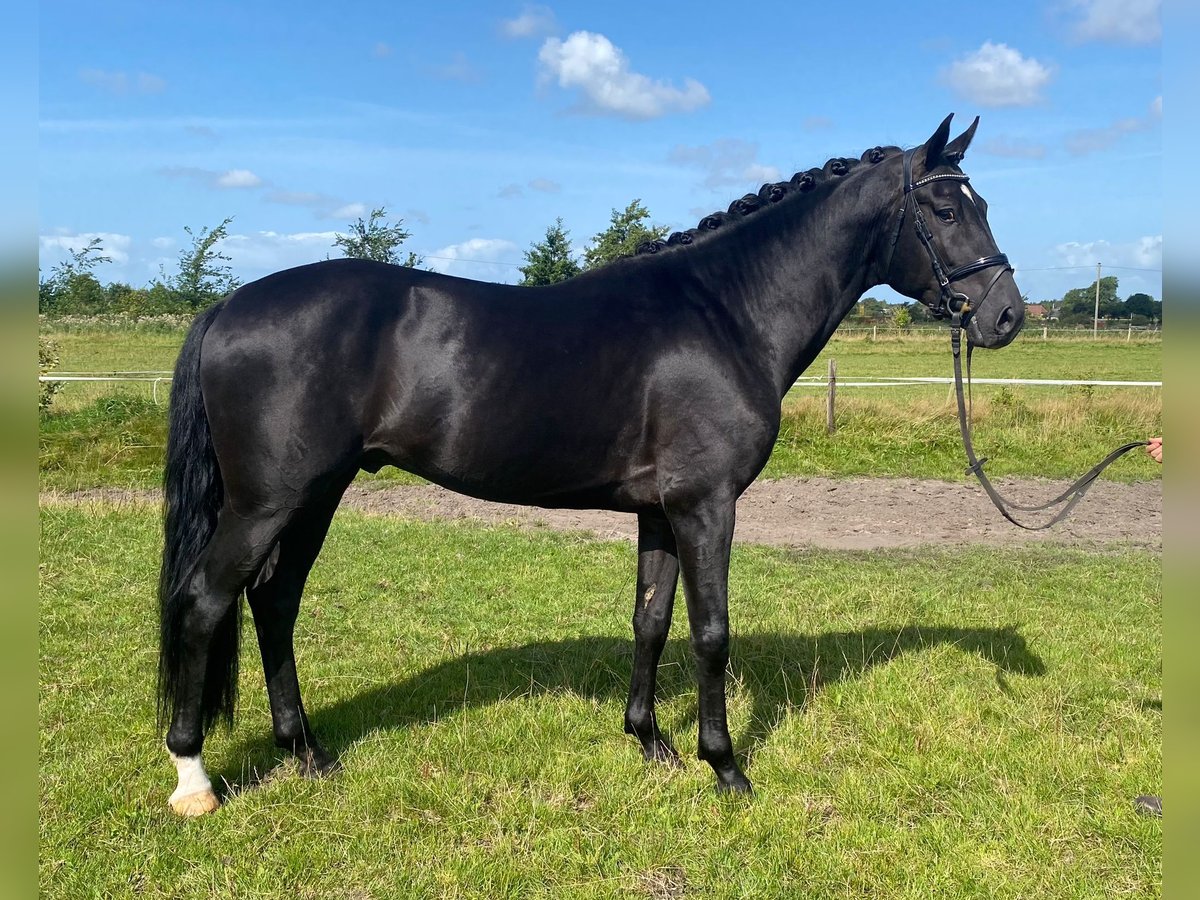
point(799, 184)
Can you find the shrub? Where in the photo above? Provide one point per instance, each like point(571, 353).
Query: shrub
point(47, 362)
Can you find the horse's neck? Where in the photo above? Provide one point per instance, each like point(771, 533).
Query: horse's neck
point(798, 277)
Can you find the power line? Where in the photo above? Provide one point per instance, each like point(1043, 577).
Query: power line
point(1064, 268)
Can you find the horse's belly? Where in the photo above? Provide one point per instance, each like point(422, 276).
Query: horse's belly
point(549, 475)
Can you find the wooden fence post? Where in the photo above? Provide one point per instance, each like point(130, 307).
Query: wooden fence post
point(830, 426)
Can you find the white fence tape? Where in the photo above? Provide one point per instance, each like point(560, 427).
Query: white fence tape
point(802, 381)
point(153, 377)
point(888, 381)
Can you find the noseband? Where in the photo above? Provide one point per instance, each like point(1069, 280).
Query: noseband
point(951, 303)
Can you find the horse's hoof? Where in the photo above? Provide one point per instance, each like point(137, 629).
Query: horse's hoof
point(663, 753)
point(198, 804)
point(736, 784)
point(317, 765)
point(1148, 805)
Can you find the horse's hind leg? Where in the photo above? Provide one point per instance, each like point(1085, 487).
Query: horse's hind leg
point(658, 574)
point(208, 630)
point(275, 603)
point(704, 532)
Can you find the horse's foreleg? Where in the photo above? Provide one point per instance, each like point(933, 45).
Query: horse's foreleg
point(658, 573)
point(207, 672)
point(704, 532)
point(275, 603)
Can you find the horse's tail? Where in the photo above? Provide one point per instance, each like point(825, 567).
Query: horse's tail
point(192, 496)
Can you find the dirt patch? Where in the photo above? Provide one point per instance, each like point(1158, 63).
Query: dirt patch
point(844, 514)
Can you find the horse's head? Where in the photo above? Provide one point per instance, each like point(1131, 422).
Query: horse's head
point(939, 249)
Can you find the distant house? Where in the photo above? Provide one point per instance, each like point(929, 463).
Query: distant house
point(1035, 311)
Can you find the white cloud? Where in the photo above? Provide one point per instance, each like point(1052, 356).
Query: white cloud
point(591, 64)
point(323, 206)
point(237, 178)
point(60, 246)
point(758, 173)
point(163, 243)
point(1013, 147)
point(1090, 140)
point(458, 69)
point(381, 50)
point(268, 251)
point(229, 179)
point(545, 185)
point(349, 211)
point(534, 21)
point(1143, 253)
point(122, 82)
point(998, 75)
point(728, 161)
point(485, 259)
point(1119, 21)
point(150, 84)
point(510, 190)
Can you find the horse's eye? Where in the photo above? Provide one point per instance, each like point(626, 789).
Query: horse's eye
point(946, 215)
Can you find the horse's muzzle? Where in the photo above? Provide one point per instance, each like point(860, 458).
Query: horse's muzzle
point(991, 329)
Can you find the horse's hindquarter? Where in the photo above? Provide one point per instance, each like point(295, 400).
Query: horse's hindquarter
point(563, 396)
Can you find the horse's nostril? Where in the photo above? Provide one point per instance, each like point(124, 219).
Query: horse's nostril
point(1005, 323)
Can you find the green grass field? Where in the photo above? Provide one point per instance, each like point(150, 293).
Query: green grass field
point(943, 723)
point(105, 434)
point(950, 723)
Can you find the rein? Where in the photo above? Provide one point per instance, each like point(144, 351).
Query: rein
point(954, 305)
point(1070, 496)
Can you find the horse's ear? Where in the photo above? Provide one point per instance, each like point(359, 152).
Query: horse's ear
point(937, 144)
point(957, 148)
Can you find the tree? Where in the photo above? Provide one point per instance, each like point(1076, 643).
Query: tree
point(203, 278)
point(872, 309)
point(1079, 304)
point(917, 311)
point(625, 231)
point(549, 261)
point(903, 317)
point(1143, 305)
point(71, 286)
point(375, 239)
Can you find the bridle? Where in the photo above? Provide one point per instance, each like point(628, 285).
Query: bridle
point(955, 306)
point(950, 302)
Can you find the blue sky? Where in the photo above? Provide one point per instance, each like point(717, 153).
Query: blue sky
point(478, 124)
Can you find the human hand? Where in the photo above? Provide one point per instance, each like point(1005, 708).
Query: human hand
point(1155, 449)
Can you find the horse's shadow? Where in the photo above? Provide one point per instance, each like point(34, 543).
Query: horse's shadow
point(780, 672)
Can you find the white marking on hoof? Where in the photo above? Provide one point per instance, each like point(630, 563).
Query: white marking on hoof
point(194, 796)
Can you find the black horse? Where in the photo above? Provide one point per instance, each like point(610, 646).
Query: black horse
point(650, 386)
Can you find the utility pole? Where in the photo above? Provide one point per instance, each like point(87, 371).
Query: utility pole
point(1096, 318)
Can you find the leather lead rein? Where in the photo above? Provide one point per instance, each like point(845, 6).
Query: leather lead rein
point(954, 305)
point(1070, 496)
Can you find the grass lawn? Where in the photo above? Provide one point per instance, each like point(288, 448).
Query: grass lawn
point(1108, 359)
point(113, 435)
point(958, 723)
